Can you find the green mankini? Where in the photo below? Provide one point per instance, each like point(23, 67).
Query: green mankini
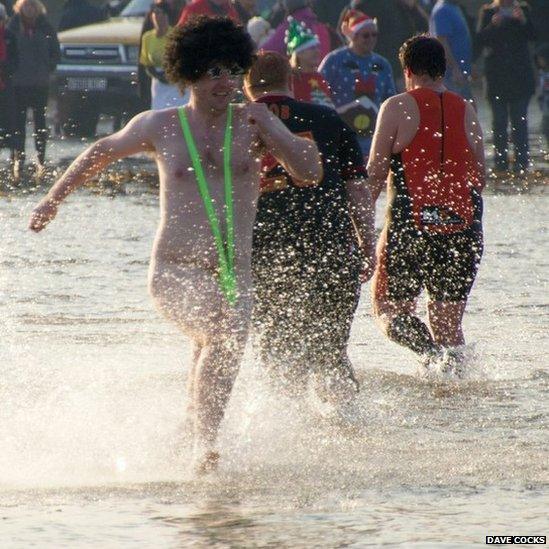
point(225, 247)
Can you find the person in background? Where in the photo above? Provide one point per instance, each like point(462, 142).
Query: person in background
point(539, 13)
point(38, 55)
point(447, 22)
point(397, 21)
point(307, 83)
point(542, 62)
point(77, 13)
point(312, 244)
point(301, 11)
point(429, 141)
point(359, 79)
point(142, 76)
point(153, 44)
point(211, 8)
point(504, 31)
point(8, 64)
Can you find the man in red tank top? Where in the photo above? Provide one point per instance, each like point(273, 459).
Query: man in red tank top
point(430, 142)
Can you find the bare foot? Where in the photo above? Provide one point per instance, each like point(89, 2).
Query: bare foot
point(208, 463)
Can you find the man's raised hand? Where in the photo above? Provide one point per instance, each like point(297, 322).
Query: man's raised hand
point(260, 115)
point(42, 215)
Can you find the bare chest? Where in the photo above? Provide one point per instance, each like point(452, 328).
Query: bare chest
point(215, 158)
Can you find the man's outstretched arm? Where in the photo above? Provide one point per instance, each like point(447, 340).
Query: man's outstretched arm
point(298, 155)
point(133, 138)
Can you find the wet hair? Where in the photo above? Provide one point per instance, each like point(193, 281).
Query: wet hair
point(203, 42)
point(270, 71)
point(423, 55)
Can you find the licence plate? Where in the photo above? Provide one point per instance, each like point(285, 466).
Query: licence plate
point(87, 84)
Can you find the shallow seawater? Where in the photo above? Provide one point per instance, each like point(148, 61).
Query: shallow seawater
point(92, 392)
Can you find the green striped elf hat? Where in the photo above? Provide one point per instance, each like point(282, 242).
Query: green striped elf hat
point(299, 37)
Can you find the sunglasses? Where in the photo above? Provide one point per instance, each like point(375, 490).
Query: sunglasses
point(369, 35)
point(216, 72)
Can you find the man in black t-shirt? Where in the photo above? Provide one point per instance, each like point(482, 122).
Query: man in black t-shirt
point(312, 245)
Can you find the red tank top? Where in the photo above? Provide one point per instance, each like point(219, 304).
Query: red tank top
point(440, 168)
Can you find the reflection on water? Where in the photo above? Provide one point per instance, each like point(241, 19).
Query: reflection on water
point(92, 386)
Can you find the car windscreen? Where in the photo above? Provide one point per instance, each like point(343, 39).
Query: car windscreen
point(136, 8)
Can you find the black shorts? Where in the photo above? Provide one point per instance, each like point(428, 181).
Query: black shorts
point(444, 264)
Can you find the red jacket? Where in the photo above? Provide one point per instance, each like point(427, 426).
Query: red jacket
point(207, 7)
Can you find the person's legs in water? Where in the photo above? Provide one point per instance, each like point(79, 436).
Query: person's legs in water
point(396, 285)
point(189, 296)
point(216, 371)
point(40, 128)
point(279, 306)
point(500, 122)
point(281, 335)
point(191, 376)
point(518, 110)
point(399, 322)
point(453, 264)
point(333, 301)
point(19, 130)
point(7, 104)
point(445, 320)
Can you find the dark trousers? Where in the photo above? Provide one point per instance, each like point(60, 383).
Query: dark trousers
point(35, 98)
point(7, 107)
point(517, 111)
point(302, 315)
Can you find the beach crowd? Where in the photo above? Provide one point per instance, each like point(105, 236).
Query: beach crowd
point(507, 43)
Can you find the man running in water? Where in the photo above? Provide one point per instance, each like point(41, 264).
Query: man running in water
point(312, 245)
point(430, 141)
point(208, 157)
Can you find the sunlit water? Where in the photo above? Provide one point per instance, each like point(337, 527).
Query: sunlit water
point(92, 392)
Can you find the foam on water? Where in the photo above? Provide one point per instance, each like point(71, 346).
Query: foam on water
point(79, 418)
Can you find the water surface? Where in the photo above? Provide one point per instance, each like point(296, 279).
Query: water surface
point(92, 385)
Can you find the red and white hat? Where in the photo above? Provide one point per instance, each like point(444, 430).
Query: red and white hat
point(354, 21)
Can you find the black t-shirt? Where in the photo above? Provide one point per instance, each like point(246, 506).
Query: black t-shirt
point(314, 221)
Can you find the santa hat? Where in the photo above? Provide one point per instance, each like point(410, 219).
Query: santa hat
point(299, 37)
point(354, 21)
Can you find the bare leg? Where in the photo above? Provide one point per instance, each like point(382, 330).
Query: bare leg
point(385, 310)
point(215, 375)
point(445, 319)
point(397, 317)
point(190, 296)
point(191, 376)
point(399, 323)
